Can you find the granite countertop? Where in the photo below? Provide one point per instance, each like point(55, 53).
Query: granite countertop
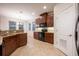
point(11, 34)
point(46, 32)
point(49, 32)
point(1, 39)
point(7, 35)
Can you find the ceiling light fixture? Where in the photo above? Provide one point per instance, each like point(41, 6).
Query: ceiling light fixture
point(44, 7)
point(33, 13)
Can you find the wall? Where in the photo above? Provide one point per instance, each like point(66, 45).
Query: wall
point(65, 16)
point(4, 23)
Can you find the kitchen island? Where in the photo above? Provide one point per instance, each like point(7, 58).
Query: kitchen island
point(10, 42)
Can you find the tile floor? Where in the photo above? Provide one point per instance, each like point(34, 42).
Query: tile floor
point(37, 48)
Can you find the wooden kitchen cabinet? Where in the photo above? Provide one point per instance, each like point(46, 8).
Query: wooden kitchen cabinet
point(49, 37)
point(11, 43)
point(40, 20)
point(0, 50)
point(44, 17)
point(50, 21)
point(47, 18)
point(36, 35)
point(37, 21)
point(23, 39)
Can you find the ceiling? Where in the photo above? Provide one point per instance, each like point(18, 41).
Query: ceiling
point(26, 11)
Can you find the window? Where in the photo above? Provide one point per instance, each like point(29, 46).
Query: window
point(21, 27)
point(12, 25)
point(33, 26)
point(29, 27)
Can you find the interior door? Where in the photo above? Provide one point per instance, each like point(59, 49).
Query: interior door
point(64, 30)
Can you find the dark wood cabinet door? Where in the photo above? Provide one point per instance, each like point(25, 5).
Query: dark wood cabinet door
point(36, 35)
point(3, 48)
point(37, 21)
point(9, 45)
point(49, 37)
point(50, 21)
point(17, 41)
point(43, 19)
point(23, 39)
point(47, 18)
point(0, 50)
point(40, 20)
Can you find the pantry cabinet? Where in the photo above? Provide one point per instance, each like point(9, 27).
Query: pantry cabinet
point(36, 35)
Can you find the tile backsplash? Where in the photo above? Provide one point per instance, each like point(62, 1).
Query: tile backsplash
point(49, 29)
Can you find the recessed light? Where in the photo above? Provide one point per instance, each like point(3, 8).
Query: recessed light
point(33, 13)
point(44, 7)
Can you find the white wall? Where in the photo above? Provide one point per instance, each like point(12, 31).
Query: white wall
point(4, 23)
point(65, 16)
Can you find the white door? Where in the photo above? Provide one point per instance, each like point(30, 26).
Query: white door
point(64, 30)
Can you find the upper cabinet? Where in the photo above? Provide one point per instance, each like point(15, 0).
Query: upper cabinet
point(46, 18)
point(50, 20)
point(38, 21)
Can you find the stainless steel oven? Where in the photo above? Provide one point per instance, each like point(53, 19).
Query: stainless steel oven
point(42, 34)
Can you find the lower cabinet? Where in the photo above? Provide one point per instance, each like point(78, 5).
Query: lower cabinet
point(23, 39)
point(0, 50)
point(49, 37)
point(36, 35)
point(11, 43)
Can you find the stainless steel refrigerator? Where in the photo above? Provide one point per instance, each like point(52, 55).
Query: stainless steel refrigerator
point(77, 36)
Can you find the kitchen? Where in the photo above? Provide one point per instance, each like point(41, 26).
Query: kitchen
point(36, 29)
